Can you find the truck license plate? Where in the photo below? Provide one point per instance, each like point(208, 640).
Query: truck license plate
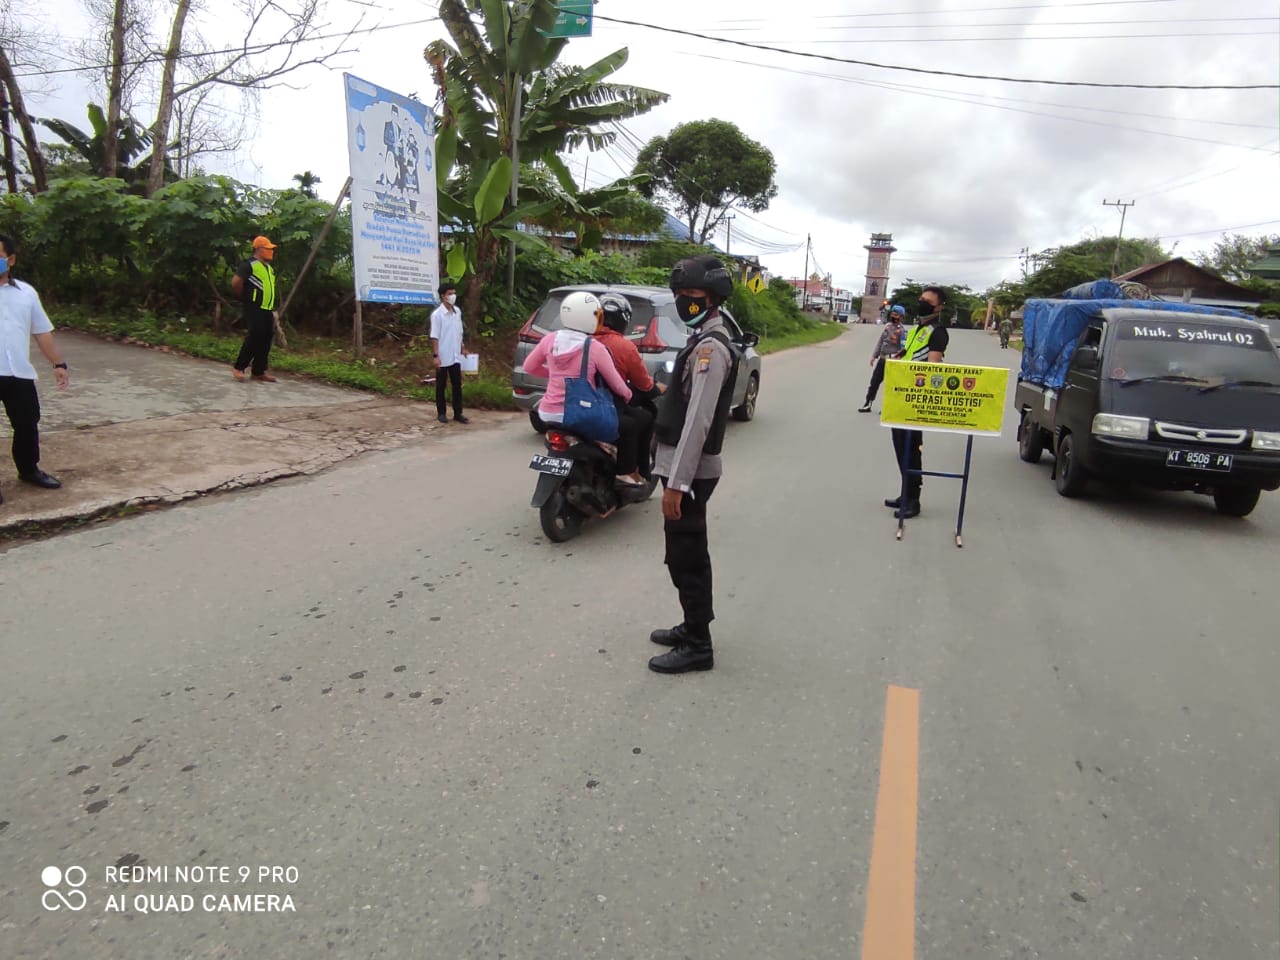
point(1199, 460)
point(556, 466)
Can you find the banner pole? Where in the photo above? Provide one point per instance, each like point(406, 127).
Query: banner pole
point(964, 488)
point(904, 464)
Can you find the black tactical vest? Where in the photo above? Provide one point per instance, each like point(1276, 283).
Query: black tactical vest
point(673, 405)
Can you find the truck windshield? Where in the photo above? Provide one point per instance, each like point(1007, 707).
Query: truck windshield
point(1178, 350)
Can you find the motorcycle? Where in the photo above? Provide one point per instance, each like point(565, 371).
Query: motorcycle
point(576, 482)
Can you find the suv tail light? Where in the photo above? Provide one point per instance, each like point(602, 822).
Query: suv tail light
point(651, 342)
point(527, 333)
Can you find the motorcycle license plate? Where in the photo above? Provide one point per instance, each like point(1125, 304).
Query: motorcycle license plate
point(1199, 460)
point(556, 466)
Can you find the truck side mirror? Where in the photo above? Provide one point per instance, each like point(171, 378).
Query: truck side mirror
point(1087, 356)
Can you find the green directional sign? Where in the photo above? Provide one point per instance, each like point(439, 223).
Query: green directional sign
point(572, 20)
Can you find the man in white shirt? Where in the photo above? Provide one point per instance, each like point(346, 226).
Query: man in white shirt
point(21, 318)
point(446, 344)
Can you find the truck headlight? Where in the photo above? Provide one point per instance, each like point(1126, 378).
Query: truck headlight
point(1114, 425)
point(1262, 440)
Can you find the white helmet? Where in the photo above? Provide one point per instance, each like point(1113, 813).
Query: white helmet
point(580, 311)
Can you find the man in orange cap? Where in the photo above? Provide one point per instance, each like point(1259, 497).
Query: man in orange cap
point(255, 285)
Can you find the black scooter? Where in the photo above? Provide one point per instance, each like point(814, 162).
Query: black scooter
point(576, 482)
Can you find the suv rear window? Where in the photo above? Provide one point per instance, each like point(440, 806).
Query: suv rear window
point(548, 317)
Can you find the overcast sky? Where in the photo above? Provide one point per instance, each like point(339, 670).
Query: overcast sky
point(963, 173)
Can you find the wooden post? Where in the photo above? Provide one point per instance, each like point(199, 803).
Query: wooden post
point(315, 246)
point(357, 331)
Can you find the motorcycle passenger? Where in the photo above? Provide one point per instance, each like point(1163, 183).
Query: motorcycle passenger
point(558, 356)
point(635, 421)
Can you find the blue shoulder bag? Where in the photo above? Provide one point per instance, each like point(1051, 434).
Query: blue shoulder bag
point(588, 409)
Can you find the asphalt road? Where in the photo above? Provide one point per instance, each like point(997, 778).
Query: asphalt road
point(385, 678)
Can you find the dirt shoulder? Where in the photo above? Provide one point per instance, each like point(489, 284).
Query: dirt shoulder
point(141, 427)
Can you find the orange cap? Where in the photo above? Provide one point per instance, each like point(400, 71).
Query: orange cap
point(261, 242)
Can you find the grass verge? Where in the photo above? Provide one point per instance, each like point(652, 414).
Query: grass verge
point(816, 334)
point(389, 367)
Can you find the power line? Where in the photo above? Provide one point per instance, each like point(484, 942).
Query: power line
point(714, 31)
point(929, 13)
point(941, 73)
point(961, 97)
point(1020, 39)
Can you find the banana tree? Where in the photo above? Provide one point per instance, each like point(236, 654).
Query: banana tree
point(502, 98)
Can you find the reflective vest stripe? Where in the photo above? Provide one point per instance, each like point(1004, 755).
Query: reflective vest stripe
point(266, 284)
point(918, 343)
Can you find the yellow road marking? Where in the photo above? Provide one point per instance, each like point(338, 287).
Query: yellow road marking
point(889, 931)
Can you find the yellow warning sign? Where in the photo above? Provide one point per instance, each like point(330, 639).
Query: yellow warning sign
point(945, 397)
point(755, 283)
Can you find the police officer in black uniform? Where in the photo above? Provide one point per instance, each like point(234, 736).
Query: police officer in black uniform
point(690, 427)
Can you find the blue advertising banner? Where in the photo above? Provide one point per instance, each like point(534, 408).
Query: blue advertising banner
point(394, 231)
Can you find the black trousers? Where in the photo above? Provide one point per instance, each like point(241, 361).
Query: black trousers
point(452, 373)
point(257, 342)
point(908, 449)
point(635, 427)
point(877, 378)
point(688, 559)
point(22, 404)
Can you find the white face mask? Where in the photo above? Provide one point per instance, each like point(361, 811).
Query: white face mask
point(450, 298)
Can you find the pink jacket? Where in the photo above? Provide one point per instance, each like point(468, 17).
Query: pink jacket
point(559, 355)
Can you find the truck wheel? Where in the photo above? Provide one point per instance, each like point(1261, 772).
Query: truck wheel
point(1236, 501)
point(1030, 439)
point(1069, 476)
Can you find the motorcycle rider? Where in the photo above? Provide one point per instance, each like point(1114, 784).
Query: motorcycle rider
point(690, 428)
point(558, 356)
point(635, 422)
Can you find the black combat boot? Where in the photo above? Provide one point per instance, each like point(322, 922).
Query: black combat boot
point(691, 652)
point(671, 638)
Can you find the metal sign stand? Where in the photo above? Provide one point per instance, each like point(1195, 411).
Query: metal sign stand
point(962, 477)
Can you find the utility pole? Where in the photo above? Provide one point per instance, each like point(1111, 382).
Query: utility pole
point(1124, 206)
point(804, 280)
point(728, 232)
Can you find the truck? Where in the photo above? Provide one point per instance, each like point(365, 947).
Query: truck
point(1166, 395)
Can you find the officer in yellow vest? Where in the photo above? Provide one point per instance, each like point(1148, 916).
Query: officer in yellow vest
point(927, 343)
point(255, 285)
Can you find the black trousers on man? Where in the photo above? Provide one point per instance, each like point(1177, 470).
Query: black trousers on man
point(635, 428)
point(877, 378)
point(452, 373)
point(257, 342)
point(22, 404)
point(908, 449)
point(688, 559)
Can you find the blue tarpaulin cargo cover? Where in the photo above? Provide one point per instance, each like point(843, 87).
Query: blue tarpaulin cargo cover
point(1050, 329)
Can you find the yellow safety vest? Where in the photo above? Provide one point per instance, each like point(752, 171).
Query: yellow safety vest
point(917, 348)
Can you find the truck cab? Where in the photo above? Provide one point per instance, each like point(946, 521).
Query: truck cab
point(1174, 400)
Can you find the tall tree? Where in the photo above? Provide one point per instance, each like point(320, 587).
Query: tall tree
point(276, 36)
point(703, 168)
point(500, 57)
point(306, 181)
point(1061, 267)
point(18, 108)
point(1232, 255)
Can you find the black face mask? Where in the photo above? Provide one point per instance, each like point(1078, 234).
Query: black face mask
point(925, 309)
point(692, 310)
